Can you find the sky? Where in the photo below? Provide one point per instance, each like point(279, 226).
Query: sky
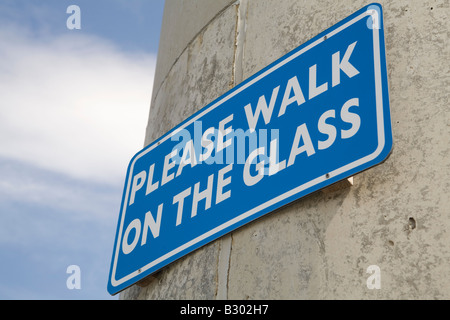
point(74, 105)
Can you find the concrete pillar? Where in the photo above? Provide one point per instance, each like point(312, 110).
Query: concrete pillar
point(395, 216)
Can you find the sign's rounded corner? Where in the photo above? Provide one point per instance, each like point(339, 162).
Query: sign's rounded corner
point(384, 151)
point(133, 161)
point(375, 4)
point(111, 289)
point(387, 150)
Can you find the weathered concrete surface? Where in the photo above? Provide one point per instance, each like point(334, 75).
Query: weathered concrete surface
point(396, 215)
point(182, 23)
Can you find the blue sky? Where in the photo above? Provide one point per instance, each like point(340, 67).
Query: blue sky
point(73, 111)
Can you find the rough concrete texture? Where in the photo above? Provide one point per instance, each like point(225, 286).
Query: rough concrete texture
point(182, 23)
point(396, 215)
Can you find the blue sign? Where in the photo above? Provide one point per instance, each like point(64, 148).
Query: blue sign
point(317, 115)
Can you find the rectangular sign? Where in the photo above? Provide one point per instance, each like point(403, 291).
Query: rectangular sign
point(315, 116)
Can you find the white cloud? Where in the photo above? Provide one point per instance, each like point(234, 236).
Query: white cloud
point(73, 104)
point(32, 187)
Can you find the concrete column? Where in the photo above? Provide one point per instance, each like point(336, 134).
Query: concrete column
point(396, 216)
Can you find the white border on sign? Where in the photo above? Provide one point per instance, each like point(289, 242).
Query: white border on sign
point(381, 141)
